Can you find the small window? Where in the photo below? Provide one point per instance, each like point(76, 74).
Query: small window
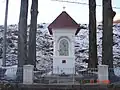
point(63, 61)
point(64, 47)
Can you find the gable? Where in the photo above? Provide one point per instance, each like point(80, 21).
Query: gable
point(63, 21)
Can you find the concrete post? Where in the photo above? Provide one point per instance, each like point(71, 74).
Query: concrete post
point(73, 76)
point(1, 63)
point(28, 74)
point(103, 73)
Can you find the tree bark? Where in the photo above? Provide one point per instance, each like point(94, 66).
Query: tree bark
point(107, 42)
point(5, 30)
point(93, 61)
point(32, 34)
point(22, 37)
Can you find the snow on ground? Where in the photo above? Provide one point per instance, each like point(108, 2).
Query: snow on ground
point(10, 72)
point(44, 55)
point(117, 71)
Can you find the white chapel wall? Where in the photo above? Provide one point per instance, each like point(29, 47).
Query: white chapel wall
point(69, 66)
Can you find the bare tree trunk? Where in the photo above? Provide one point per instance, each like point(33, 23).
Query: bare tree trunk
point(5, 30)
point(32, 33)
point(22, 37)
point(93, 61)
point(107, 42)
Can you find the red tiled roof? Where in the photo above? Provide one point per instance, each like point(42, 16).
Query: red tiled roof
point(64, 21)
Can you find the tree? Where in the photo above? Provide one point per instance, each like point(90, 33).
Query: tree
point(22, 37)
point(5, 30)
point(32, 34)
point(92, 35)
point(107, 42)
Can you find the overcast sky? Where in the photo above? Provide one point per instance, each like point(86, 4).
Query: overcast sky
point(49, 10)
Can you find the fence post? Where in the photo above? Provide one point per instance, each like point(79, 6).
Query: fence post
point(103, 74)
point(73, 75)
point(1, 63)
point(58, 74)
point(28, 74)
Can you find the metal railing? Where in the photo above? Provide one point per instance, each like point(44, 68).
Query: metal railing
point(56, 76)
point(86, 75)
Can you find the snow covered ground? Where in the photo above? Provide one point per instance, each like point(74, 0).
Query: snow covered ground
point(117, 71)
point(45, 46)
point(10, 73)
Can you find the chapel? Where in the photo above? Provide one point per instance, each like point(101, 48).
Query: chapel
point(64, 29)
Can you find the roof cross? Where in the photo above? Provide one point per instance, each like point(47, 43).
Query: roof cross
point(64, 8)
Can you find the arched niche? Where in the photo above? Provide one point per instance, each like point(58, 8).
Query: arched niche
point(64, 46)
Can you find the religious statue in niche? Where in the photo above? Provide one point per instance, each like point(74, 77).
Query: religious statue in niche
point(64, 47)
